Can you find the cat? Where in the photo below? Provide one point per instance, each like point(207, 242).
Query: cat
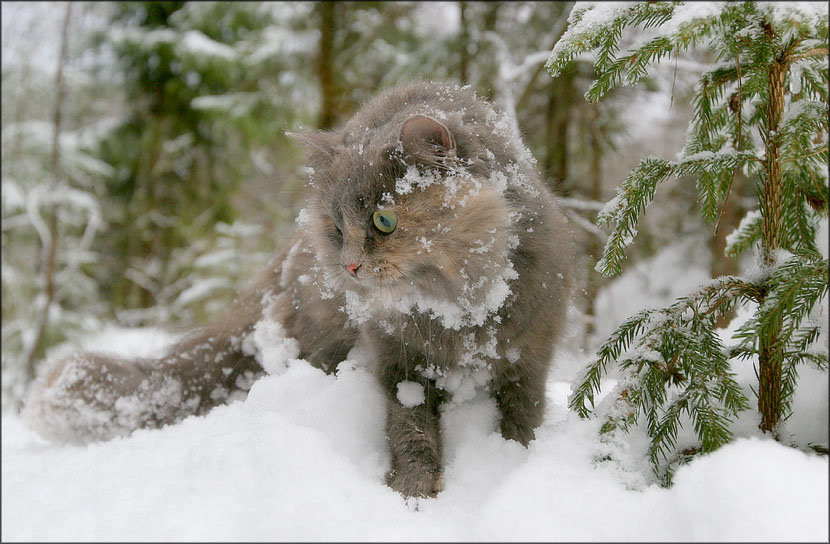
point(428, 239)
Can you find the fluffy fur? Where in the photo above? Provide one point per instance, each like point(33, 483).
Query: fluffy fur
point(470, 289)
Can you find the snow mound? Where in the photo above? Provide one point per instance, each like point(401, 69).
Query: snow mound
point(304, 457)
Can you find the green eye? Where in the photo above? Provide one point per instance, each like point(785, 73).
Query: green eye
point(385, 220)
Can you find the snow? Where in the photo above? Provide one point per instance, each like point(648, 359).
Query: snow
point(13, 197)
point(691, 12)
point(145, 342)
point(269, 345)
point(147, 40)
point(233, 103)
point(410, 394)
point(303, 218)
point(197, 44)
point(414, 178)
point(280, 42)
point(812, 110)
point(708, 156)
point(200, 290)
point(303, 458)
point(215, 258)
point(811, 14)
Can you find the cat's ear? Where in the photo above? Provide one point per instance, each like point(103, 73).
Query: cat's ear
point(321, 143)
point(427, 140)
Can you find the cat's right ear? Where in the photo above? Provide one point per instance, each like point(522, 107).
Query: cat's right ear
point(316, 143)
point(426, 140)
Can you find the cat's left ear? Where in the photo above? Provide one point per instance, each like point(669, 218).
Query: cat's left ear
point(426, 140)
point(320, 142)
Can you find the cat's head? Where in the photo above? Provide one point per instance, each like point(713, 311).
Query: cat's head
point(397, 216)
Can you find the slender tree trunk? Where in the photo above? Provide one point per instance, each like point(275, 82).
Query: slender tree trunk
point(560, 26)
point(51, 246)
point(594, 248)
point(491, 15)
point(463, 44)
point(486, 82)
point(325, 68)
point(721, 265)
point(128, 293)
point(770, 354)
point(561, 96)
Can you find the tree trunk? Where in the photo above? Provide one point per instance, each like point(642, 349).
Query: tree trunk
point(770, 353)
point(486, 82)
point(560, 25)
point(558, 122)
point(721, 265)
point(463, 44)
point(593, 279)
point(325, 62)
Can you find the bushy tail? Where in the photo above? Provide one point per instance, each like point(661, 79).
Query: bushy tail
point(91, 396)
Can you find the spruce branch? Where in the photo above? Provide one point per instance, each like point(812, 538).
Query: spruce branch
point(603, 38)
point(642, 331)
point(814, 52)
point(637, 192)
point(674, 347)
point(619, 341)
point(820, 151)
point(791, 291)
point(747, 233)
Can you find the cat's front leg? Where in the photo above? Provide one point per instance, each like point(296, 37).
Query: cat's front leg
point(412, 430)
point(519, 389)
point(414, 441)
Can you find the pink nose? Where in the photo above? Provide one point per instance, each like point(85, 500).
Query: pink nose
point(352, 268)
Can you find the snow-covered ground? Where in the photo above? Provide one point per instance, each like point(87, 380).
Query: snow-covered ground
point(303, 459)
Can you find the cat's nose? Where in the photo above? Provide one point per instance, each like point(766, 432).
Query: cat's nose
point(352, 268)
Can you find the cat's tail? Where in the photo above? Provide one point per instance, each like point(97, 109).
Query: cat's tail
point(88, 397)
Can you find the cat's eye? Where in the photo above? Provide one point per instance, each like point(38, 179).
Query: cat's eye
point(385, 221)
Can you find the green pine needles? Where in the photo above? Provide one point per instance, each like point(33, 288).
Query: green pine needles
point(762, 108)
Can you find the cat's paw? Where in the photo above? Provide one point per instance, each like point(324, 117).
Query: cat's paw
point(425, 483)
point(511, 430)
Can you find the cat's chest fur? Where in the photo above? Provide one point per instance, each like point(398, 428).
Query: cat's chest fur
point(457, 360)
point(425, 335)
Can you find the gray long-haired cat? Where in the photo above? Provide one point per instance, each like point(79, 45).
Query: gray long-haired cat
point(427, 238)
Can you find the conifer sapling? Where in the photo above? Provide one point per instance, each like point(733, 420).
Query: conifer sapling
point(762, 108)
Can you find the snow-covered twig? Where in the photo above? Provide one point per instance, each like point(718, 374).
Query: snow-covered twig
point(579, 204)
point(585, 224)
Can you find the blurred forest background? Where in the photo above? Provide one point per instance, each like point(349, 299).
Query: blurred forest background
point(146, 174)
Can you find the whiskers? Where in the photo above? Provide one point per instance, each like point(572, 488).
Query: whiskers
point(382, 287)
point(380, 274)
